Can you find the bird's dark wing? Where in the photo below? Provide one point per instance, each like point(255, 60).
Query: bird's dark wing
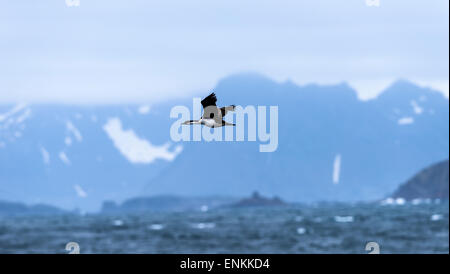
point(209, 101)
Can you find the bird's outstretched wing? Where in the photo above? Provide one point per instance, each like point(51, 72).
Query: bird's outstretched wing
point(209, 101)
point(225, 110)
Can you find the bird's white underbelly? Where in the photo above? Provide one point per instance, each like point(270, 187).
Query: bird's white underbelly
point(211, 123)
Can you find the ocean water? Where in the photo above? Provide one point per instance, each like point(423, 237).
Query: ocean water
point(323, 228)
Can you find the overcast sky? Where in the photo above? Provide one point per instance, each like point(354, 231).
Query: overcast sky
point(134, 51)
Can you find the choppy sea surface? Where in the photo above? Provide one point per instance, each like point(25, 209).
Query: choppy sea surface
point(323, 228)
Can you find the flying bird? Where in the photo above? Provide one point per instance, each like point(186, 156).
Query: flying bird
point(212, 115)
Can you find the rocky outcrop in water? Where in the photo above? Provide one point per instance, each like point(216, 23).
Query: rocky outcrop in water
point(20, 209)
point(164, 203)
point(257, 200)
point(432, 183)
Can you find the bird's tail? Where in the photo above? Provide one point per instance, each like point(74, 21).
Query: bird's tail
point(228, 124)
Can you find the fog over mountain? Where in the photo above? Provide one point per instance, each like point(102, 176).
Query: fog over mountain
point(331, 146)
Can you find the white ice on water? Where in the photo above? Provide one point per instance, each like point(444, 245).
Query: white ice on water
point(343, 219)
point(156, 226)
point(204, 225)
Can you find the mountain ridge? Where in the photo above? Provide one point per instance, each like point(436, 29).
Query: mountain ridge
point(328, 121)
point(378, 119)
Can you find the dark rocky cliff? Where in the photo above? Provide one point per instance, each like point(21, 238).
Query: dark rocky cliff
point(432, 182)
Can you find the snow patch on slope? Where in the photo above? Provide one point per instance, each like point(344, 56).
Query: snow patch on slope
point(336, 169)
point(80, 191)
point(144, 109)
point(13, 111)
point(76, 133)
point(417, 109)
point(135, 149)
point(68, 141)
point(45, 156)
point(23, 116)
point(11, 123)
point(405, 121)
point(64, 158)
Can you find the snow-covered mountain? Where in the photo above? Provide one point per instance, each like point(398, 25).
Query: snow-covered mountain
point(78, 156)
point(332, 146)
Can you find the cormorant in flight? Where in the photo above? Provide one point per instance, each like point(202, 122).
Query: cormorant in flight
point(212, 115)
